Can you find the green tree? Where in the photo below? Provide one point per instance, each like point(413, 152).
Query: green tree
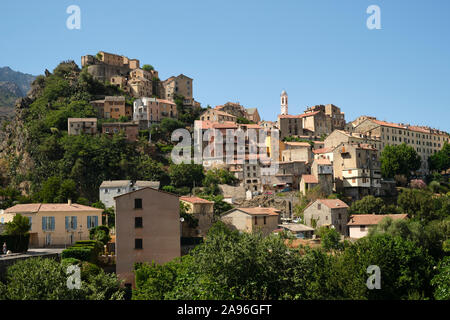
point(399, 160)
point(147, 67)
point(441, 280)
point(405, 268)
point(367, 205)
point(329, 238)
point(39, 279)
point(100, 233)
point(422, 205)
point(440, 161)
point(185, 175)
point(220, 206)
point(46, 279)
point(20, 225)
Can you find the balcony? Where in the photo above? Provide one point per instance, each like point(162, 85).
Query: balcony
point(356, 182)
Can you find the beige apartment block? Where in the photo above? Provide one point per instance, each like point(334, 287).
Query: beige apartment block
point(149, 111)
point(426, 141)
point(76, 126)
point(340, 136)
point(217, 116)
point(333, 112)
point(290, 125)
point(327, 213)
point(131, 130)
point(58, 224)
point(253, 115)
point(148, 229)
point(324, 153)
point(357, 170)
point(111, 107)
point(181, 85)
point(296, 151)
point(317, 123)
point(203, 211)
point(256, 219)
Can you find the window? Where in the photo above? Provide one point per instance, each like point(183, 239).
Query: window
point(71, 223)
point(138, 203)
point(264, 220)
point(256, 220)
point(362, 228)
point(92, 222)
point(138, 222)
point(138, 243)
point(48, 223)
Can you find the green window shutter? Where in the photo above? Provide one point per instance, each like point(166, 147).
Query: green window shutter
point(96, 221)
point(67, 223)
point(52, 219)
point(44, 223)
point(89, 222)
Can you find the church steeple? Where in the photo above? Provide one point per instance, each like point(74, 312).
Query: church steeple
point(284, 103)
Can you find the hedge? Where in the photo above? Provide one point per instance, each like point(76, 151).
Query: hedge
point(84, 250)
point(15, 243)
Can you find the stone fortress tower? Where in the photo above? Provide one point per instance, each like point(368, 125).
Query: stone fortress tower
point(284, 103)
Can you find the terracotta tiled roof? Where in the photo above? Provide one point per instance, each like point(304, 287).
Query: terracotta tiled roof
point(323, 161)
point(82, 119)
point(260, 211)
point(223, 113)
point(298, 144)
point(50, 207)
point(296, 227)
point(388, 124)
point(333, 203)
point(309, 178)
point(323, 150)
point(195, 200)
point(372, 219)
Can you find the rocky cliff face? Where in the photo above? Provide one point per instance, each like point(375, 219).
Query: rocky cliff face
point(13, 85)
point(13, 155)
point(21, 80)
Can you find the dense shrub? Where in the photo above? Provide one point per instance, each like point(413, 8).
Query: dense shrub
point(84, 250)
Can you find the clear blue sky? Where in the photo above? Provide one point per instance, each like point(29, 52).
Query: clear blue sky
point(319, 51)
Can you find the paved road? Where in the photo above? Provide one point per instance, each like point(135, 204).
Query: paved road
point(32, 252)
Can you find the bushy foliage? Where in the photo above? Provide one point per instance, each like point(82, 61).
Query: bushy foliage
point(19, 226)
point(399, 160)
point(100, 233)
point(423, 205)
point(46, 279)
point(440, 161)
point(230, 265)
point(367, 205)
point(329, 238)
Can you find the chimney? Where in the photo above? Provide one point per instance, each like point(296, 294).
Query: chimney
point(69, 202)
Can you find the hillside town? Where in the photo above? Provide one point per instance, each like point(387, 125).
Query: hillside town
point(325, 167)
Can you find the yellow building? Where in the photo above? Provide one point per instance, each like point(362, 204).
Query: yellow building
point(264, 220)
point(426, 141)
point(58, 224)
